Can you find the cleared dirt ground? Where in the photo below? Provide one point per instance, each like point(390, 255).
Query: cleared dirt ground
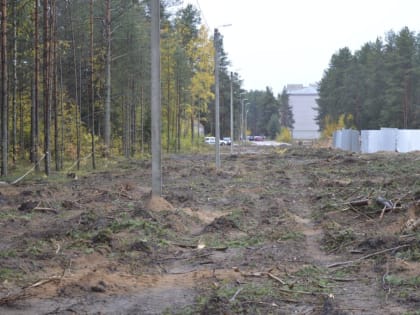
point(276, 230)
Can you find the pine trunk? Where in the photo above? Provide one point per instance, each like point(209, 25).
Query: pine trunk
point(4, 94)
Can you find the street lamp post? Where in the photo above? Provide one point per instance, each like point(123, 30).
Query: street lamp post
point(217, 104)
point(242, 119)
point(246, 120)
point(231, 113)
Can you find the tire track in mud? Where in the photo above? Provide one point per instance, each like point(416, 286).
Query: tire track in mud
point(362, 293)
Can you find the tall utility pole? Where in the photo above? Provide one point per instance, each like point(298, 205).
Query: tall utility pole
point(217, 104)
point(242, 119)
point(4, 95)
point(156, 100)
point(107, 116)
point(231, 113)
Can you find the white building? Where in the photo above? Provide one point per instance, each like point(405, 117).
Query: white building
point(302, 100)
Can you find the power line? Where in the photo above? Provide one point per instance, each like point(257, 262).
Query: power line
point(202, 14)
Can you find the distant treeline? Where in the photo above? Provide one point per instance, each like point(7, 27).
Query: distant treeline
point(376, 86)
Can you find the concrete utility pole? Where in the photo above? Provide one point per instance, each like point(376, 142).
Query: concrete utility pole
point(242, 119)
point(231, 113)
point(246, 121)
point(156, 99)
point(217, 103)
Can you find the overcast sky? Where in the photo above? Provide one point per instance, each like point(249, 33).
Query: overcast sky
point(276, 42)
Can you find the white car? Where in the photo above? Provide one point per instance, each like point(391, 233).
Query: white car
point(210, 140)
point(227, 140)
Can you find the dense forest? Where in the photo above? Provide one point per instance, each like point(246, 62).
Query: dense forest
point(376, 86)
point(76, 82)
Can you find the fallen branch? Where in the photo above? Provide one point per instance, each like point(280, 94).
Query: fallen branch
point(44, 281)
point(23, 293)
point(10, 298)
point(235, 295)
point(43, 209)
point(184, 245)
point(263, 303)
point(360, 213)
point(301, 292)
point(350, 262)
point(77, 161)
point(270, 275)
point(358, 203)
point(24, 175)
point(341, 279)
point(386, 204)
point(381, 201)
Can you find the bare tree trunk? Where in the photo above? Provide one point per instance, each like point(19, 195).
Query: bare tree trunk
point(46, 86)
point(107, 121)
point(35, 103)
point(76, 90)
point(168, 114)
point(133, 115)
point(15, 83)
point(126, 126)
point(57, 150)
point(142, 106)
point(4, 94)
point(178, 120)
point(142, 120)
point(21, 131)
point(192, 119)
point(61, 112)
point(92, 89)
point(406, 102)
point(79, 113)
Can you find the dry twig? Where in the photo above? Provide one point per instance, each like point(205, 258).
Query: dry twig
point(235, 295)
point(44, 209)
point(350, 262)
point(270, 275)
point(24, 175)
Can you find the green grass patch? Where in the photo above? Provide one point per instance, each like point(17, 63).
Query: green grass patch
point(410, 254)
point(336, 238)
point(146, 227)
point(221, 301)
point(396, 281)
point(290, 235)
point(312, 279)
point(9, 253)
point(9, 274)
point(14, 214)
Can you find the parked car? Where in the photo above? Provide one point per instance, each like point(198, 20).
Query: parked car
point(210, 140)
point(258, 138)
point(227, 140)
point(250, 138)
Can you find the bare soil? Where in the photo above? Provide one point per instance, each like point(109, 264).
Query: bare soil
point(294, 230)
